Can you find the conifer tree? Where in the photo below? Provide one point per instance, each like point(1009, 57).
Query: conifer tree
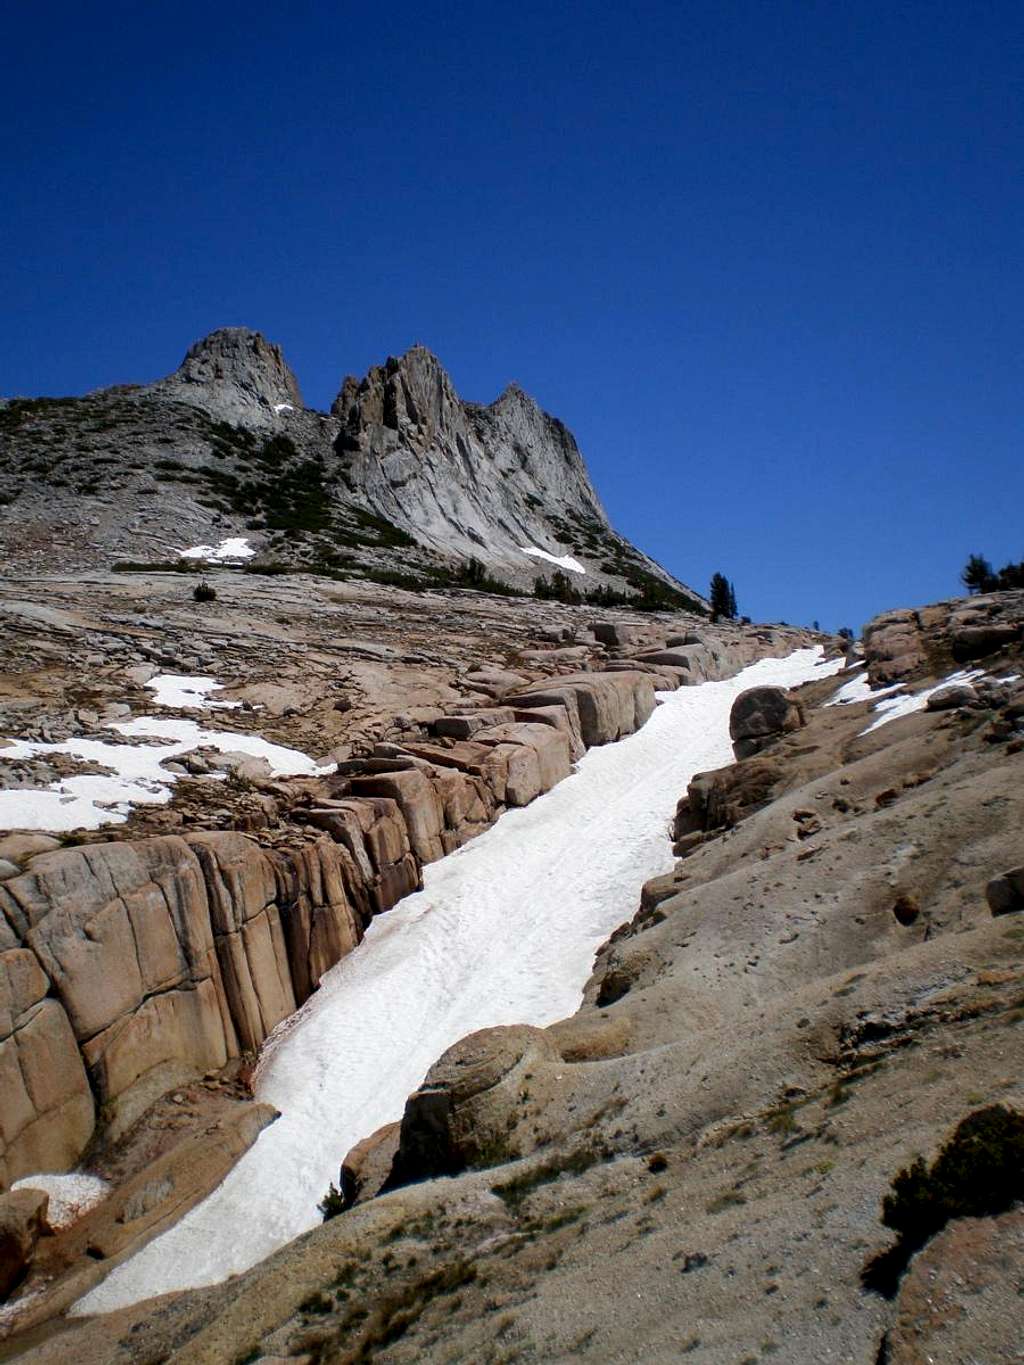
point(722, 597)
point(977, 575)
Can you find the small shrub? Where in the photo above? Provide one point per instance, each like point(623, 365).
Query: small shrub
point(202, 592)
point(332, 1203)
point(978, 1173)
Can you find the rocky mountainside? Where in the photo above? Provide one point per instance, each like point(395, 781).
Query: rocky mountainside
point(144, 962)
point(693, 1165)
point(400, 478)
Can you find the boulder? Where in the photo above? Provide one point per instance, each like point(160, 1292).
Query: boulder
point(374, 833)
point(604, 706)
point(464, 727)
point(619, 633)
point(719, 799)
point(18, 847)
point(321, 926)
point(497, 682)
point(1005, 893)
point(22, 1223)
point(949, 698)
point(697, 660)
point(558, 718)
point(894, 647)
point(760, 716)
point(368, 1165)
point(458, 1118)
point(553, 758)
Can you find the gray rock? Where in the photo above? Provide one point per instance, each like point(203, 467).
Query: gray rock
point(236, 374)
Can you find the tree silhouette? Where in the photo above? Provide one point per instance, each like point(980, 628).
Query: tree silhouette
point(977, 575)
point(723, 597)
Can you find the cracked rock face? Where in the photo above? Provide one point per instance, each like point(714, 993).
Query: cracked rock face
point(461, 476)
point(235, 374)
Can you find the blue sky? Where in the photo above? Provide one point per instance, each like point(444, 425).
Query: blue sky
point(763, 258)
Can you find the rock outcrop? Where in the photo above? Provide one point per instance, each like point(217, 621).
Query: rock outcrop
point(129, 967)
point(237, 376)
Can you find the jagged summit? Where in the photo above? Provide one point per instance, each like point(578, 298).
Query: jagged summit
point(461, 475)
point(401, 477)
point(236, 374)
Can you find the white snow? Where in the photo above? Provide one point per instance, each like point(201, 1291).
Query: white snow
point(185, 692)
point(859, 689)
point(283, 407)
point(137, 778)
point(71, 1196)
point(563, 561)
point(504, 932)
point(897, 707)
point(235, 547)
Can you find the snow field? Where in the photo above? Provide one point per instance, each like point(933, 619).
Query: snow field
point(504, 931)
point(235, 547)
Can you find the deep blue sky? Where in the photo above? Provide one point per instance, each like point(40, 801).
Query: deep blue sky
point(764, 258)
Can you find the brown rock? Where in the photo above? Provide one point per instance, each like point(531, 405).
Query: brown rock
point(421, 808)
point(368, 1165)
point(1005, 893)
point(22, 1223)
point(458, 1116)
point(760, 716)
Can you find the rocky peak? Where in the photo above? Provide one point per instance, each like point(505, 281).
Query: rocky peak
point(411, 394)
point(476, 479)
point(236, 374)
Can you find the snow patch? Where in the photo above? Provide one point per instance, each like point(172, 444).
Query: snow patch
point(234, 547)
point(504, 932)
point(563, 561)
point(283, 407)
point(71, 1196)
point(188, 693)
point(898, 707)
point(859, 689)
point(136, 777)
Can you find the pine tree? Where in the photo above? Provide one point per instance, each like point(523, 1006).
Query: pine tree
point(977, 575)
point(722, 597)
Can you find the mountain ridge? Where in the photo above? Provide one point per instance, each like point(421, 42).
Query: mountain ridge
point(225, 448)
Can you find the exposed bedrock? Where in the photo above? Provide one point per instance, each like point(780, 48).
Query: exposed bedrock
point(131, 967)
point(906, 644)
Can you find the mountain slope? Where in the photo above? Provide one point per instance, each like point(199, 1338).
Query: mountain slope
point(401, 476)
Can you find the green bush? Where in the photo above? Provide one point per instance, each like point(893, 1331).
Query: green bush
point(332, 1203)
point(978, 1173)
